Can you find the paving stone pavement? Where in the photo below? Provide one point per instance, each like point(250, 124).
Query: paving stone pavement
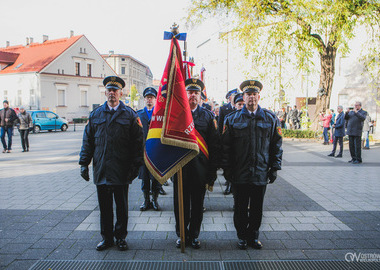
point(320, 208)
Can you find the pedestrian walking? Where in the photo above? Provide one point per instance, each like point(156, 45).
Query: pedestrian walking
point(339, 133)
point(200, 173)
point(252, 155)
point(8, 118)
point(148, 182)
point(355, 120)
point(113, 141)
point(26, 123)
point(281, 114)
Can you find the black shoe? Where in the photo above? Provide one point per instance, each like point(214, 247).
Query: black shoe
point(256, 244)
point(27, 149)
point(356, 162)
point(352, 160)
point(104, 245)
point(195, 243)
point(121, 244)
point(339, 156)
point(242, 244)
point(330, 155)
point(24, 150)
point(162, 191)
point(155, 204)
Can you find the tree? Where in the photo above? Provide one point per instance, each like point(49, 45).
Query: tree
point(294, 29)
point(133, 95)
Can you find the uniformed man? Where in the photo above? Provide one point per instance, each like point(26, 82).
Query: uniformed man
point(226, 108)
point(239, 101)
point(147, 178)
point(252, 154)
point(200, 172)
point(204, 103)
point(223, 112)
point(113, 141)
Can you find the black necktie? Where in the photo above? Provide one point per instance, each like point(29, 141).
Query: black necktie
point(253, 114)
point(112, 111)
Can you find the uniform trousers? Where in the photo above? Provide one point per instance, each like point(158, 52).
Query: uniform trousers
point(355, 147)
point(106, 195)
point(193, 197)
point(247, 221)
point(148, 182)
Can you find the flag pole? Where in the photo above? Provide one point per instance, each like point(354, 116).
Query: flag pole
point(175, 31)
point(181, 214)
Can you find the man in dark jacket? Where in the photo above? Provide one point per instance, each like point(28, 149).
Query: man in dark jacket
point(252, 154)
point(200, 172)
point(146, 177)
point(113, 141)
point(355, 120)
point(223, 112)
point(338, 133)
point(7, 118)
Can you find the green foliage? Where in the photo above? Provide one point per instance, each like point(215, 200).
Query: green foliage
point(133, 94)
point(310, 134)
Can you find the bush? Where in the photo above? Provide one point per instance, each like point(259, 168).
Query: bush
point(310, 134)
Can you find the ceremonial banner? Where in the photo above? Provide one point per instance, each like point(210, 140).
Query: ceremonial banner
point(171, 140)
point(186, 66)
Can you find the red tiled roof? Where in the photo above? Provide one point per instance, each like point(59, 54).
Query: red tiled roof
point(8, 57)
point(36, 56)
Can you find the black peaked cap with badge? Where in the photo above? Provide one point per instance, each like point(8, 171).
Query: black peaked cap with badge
point(194, 84)
point(251, 86)
point(150, 91)
point(231, 92)
point(113, 82)
point(238, 97)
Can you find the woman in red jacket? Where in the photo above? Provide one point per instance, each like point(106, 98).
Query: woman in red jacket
point(326, 119)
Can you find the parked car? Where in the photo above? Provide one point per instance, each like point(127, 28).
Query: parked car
point(46, 120)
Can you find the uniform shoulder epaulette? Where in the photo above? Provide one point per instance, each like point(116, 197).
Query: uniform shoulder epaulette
point(274, 116)
point(231, 113)
point(94, 110)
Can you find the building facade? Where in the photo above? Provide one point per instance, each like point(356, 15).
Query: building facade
point(133, 72)
point(63, 75)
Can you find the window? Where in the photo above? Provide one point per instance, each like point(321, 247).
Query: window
point(19, 98)
point(123, 59)
point(61, 97)
point(83, 98)
point(122, 70)
point(40, 115)
point(6, 95)
point(63, 72)
point(77, 69)
point(32, 98)
point(88, 70)
point(80, 50)
point(51, 115)
point(59, 71)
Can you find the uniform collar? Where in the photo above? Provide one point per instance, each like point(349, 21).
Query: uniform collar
point(121, 107)
point(258, 114)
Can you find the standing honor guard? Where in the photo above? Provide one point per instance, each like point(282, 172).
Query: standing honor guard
point(147, 178)
point(252, 154)
point(200, 172)
point(113, 141)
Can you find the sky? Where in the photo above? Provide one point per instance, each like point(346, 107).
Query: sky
point(133, 27)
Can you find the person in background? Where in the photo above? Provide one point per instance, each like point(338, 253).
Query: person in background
point(282, 117)
point(26, 122)
point(238, 100)
point(7, 119)
point(326, 120)
point(355, 119)
point(338, 133)
point(366, 128)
